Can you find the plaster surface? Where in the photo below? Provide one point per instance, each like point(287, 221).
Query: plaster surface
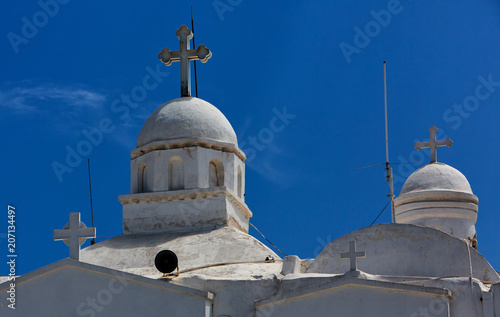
point(353, 297)
point(436, 176)
point(72, 288)
point(405, 250)
point(184, 210)
point(136, 253)
point(187, 117)
point(195, 173)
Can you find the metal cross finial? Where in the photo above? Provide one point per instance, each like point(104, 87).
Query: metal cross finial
point(353, 255)
point(433, 144)
point(185, 55)
point(74, 234)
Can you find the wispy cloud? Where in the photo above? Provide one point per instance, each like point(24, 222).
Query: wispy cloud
point(34, 98)
point(267, 165)
point(266, 157)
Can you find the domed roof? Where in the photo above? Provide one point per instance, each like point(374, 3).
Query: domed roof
point(187, 118)
point(436, 176)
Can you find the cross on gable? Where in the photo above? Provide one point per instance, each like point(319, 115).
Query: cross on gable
point(433, 144)
point(74, 234)
point(185, 55)
point(353, 255)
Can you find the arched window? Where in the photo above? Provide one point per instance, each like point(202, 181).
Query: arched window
point(141, 178)
point(215, 173)
point(176, 173)
point(240, 182)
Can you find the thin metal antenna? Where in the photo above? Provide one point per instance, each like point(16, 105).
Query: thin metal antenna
point(194, 45)
point(91, 207)
point(388, 169)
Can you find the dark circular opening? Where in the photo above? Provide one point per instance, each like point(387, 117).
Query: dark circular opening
point(166, 261)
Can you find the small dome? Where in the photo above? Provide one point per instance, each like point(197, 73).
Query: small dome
point(187, 118)
point(436, 176)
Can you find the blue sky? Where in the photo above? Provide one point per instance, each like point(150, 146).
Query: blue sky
point(64, 70)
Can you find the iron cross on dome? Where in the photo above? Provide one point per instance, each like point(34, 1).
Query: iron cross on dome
point(185, 55)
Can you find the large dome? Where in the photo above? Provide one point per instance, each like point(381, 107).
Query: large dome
point(436, 176)
point(187, 118)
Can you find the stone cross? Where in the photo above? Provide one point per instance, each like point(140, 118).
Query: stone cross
point(433, 144)
point(185, 55)
point(74, 234)
point(353, 255)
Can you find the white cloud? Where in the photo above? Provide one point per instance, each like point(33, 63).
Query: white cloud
point(267, 165)
point(16, 103)
point(34, 98)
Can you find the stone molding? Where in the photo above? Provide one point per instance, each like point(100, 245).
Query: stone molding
point(197, 193)
point(415, 214)
point(184, 143)
point(436, 203)
point(435, 195)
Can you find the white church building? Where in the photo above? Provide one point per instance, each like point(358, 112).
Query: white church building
point(187, 195)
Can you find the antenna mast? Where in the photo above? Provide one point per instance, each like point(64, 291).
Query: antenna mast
point(92, 242)
point(194, 45)
point(388, 169)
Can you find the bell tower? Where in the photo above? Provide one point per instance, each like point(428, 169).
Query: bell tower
point(187, 172)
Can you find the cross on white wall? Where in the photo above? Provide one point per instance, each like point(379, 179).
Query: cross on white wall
point(74, 234)
point(185, 55)
point(433, 144)
point(353, 255)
